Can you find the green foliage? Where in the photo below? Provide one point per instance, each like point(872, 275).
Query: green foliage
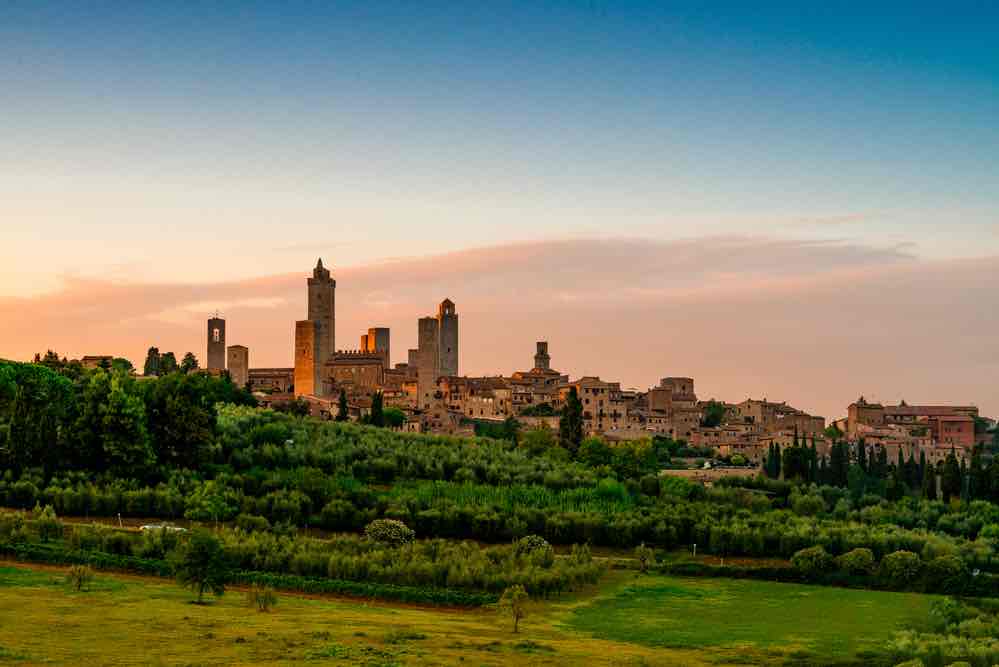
point(713, 414)
point(189, 363)
point(46, 524)
point(342, 413)
point(812, 561)
point(901, 568)
point(570, 430)
point(645, 557)
point(199, 565)
point(858, 561)
point(389, 531)
point(537, 441)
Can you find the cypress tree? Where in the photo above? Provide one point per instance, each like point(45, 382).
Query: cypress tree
point(570, 426)
point(341, 411)
point(377, 417)
point(950, 484)
point(929, 487)
point(862, 455)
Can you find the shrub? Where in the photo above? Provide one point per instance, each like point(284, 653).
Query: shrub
point(389, 531)
point(262, 597)
point(900, 568)
point(252, 522)
point(812, 561)
point(808, 505)
point(79, 577)
point(47, 524)
point(947, 574)
point(857, 561)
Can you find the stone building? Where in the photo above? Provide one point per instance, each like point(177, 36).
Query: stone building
point(238, 363)
point(215, 360)
point(271, 380)
point(355, 371)
point(377, 341)
point(307, 358)
point(949, 425)
point(603, 407)
point(322, 310)
point(437, 351)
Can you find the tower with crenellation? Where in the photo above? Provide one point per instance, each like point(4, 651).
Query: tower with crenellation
point(447, 355)
point(322, 310)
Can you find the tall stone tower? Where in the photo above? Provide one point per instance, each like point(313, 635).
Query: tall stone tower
point(239, 365)
point(307, 365)
point(542, 360)
point(448, 336)
point(216, 344)
point(428, 346)
point(322, 310)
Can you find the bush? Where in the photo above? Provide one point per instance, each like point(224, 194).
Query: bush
point(47, 524)
point(79, 577)
point(812, 562)
point(252, 522)
point(262, 597)
point(389, 531)
point(900, 568)
point(947, 574)
point(858, 561)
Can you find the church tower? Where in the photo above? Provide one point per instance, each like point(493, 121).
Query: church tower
point(542, 360)
point(216, 344)
point(322, 311)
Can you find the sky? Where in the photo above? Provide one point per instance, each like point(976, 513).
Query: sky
point(796, 200)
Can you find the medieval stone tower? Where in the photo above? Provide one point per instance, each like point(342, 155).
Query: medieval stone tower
point(216, 344)
point(322, 310)
point(448, 336)
point(315, 341)
point(542, 360)
point(427, 356)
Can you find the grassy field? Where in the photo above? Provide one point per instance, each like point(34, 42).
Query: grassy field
point(755, 621)
point(632, 620)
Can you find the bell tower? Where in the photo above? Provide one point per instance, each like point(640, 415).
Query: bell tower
point(322, 311)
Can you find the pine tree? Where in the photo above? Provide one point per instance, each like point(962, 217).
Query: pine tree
point(341, 410)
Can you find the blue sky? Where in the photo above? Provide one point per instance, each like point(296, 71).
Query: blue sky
point(210, 141)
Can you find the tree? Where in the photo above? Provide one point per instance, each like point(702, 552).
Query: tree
point(929, 485)
point(389, 531)
point(950, 483)
point(539, 440)
point(377, 416)
point(713, 414)
point(839, 464)
point(200, 565)
point(595, 452)
point(394, 418)
point(181, 416)
point(168, 363)
point(122, 365)
point(189, 363)
point(152, 365)
point(342, 413)
point(262, 597)
point(123, 433)
point(645, 556)
point(514, 604)
point(570, 425)
point(79, 577)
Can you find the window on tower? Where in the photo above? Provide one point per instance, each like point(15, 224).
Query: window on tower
point(216, 335)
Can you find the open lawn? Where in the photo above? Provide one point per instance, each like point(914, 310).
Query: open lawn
point(755, 621)
point(632, 620)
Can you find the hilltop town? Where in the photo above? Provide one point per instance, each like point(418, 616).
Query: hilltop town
point(432, 395)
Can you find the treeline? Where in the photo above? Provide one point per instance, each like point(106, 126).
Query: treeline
point(67, 418)
point(381, 556)
point(866, 469)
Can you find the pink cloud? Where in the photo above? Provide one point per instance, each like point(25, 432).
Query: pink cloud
point(813, 323)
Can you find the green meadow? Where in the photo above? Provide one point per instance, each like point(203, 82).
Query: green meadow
point(629, 620)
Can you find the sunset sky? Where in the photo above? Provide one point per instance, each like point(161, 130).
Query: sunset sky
point(791, 200)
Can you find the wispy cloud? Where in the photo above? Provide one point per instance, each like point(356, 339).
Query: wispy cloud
point(816, 322)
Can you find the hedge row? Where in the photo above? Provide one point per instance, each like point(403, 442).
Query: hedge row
point(54, 554)
point(984, 585)
point(411, 594)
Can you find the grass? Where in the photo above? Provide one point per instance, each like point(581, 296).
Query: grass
point(747, 618)
point(631, 620)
